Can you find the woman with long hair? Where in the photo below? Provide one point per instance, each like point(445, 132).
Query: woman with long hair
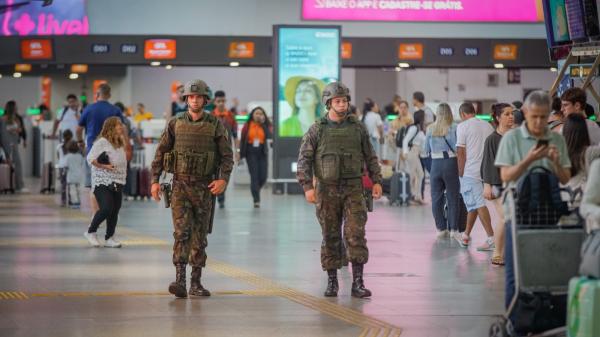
point(404, 119)
point(255, 148)
point(580, 152)
point(109, 171)
point(502, 113)
point(413, 142)
point(440, 143)
point(12, 131)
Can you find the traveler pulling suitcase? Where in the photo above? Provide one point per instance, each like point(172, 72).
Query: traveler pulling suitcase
point(583, 315)
point(399, 191)
point(48, 180)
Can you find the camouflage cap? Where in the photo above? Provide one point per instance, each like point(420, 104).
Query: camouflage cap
point(196, 87)
point(333, 90)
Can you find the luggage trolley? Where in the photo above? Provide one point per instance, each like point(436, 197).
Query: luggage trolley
point(546, 255)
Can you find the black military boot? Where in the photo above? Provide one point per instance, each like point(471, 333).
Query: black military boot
point(358, 285)
point(196, 288)
point(177, 288)
point(332, 283)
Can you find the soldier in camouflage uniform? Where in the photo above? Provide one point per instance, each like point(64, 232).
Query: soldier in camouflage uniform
point(194, 147)
point(336, 150)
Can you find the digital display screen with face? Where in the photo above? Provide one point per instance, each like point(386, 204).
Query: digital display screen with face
point(309, 58)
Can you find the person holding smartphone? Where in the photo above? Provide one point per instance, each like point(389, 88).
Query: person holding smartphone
point(109, 169)
point(502, 114)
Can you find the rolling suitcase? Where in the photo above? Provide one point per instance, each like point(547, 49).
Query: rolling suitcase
point(144, 182)
point(400, 188)
point(7, 178)
point(583, 307)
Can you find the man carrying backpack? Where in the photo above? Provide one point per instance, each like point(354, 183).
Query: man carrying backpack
point(523, 148)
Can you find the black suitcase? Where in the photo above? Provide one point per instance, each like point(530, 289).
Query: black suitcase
point(399, 188)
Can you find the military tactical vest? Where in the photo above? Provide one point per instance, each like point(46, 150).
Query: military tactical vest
point(339, 152)
point(195, 151)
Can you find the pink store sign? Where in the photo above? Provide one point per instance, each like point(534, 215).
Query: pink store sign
point(424, 10)
point(58, 17)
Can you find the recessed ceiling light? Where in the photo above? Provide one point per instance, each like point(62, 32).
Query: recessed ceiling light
point(234, 64)
point(17, 75)
point(498, 65)
point(403, 65)
point(168, 67)
point(553, 69)
point(73, 76)
point(155, 63)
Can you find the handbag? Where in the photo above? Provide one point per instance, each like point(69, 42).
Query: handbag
point(103, 158)
point(590, 255)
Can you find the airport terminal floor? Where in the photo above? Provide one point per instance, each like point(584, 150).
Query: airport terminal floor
point(263, 271)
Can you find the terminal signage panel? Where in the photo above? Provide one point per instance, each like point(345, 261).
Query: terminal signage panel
point(410, 51)
point(346, 50)
point(308, 59)
point(36, 49)
point(446, 51)
point(241, 50)
point(423, 10)
point(100, 48)
point(160, 49)
point(505, 52)
point(129, 48)
point(62, 17)
point(471, 51)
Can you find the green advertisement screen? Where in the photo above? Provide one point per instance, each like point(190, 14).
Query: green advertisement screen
point(308, 59)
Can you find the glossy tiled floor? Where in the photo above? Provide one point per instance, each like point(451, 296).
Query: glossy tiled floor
point(264, 273)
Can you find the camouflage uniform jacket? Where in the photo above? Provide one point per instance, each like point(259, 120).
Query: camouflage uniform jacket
point(308, 148)
point(167, 141)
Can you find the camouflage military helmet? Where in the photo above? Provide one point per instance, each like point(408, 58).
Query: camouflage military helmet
point(333, 90)
point(196, 87)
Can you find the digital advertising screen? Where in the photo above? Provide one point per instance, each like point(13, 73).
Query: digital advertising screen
point(308, 59)
point(423, 10)
point(575, 20)
point(560, 26)
point(44, 17)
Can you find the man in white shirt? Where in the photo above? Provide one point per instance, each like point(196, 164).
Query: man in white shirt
point(470, 140)
point(374, 124)
point(69, 118)
point(419, 104)
point(573, 100)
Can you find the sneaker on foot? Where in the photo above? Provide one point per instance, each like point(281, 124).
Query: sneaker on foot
point(462, 239)
point(92, 239)
point(257, 205)
point(442, 233)
point(487, 245)
point(112, 243)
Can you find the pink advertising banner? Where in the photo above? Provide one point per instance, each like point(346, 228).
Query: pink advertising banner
point(424, 10)
point(43, 17)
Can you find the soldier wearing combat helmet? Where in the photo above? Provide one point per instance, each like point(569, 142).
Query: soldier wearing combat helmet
point(195, 147)
point(335, 150)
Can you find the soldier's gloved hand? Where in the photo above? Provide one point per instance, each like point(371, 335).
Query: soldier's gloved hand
point(377, 191)
point(310, 196)
point(155, 190)
point(217, 186)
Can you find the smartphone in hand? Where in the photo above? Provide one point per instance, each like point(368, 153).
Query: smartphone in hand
point(541, 143)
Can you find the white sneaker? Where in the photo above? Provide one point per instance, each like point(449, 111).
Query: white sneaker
point(442, 234)
point(92, 239)
point(462, 239)
point(487, 245)
point(112, 243)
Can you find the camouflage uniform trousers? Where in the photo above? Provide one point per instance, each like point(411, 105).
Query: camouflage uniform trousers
point(336, 205)
point(191, 205)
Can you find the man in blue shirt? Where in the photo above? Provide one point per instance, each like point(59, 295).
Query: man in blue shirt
point(91, 120)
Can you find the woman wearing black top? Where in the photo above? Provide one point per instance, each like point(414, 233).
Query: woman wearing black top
point(492, 184)
point(254, 147)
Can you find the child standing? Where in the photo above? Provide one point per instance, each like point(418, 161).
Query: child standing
point(75, 164)
point(61, 152)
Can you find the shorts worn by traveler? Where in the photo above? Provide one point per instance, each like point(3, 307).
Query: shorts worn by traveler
point(336, 153)
point(195, 150)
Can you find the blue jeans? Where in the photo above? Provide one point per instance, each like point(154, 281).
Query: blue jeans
point(509, 267)
point(444, 177)
point(426, 164)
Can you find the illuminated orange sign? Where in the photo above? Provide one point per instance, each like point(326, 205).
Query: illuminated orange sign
point(38, 49)
point(160, 49)
point(23, 67)
point(79, 68)
point(410, 51)
point(346, 50)
point(46, 90)
point(241, 50)
point(505, 52)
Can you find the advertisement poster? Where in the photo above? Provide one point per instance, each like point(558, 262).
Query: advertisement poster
point(424, 10)
point(309, 58)
point(64, 17)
